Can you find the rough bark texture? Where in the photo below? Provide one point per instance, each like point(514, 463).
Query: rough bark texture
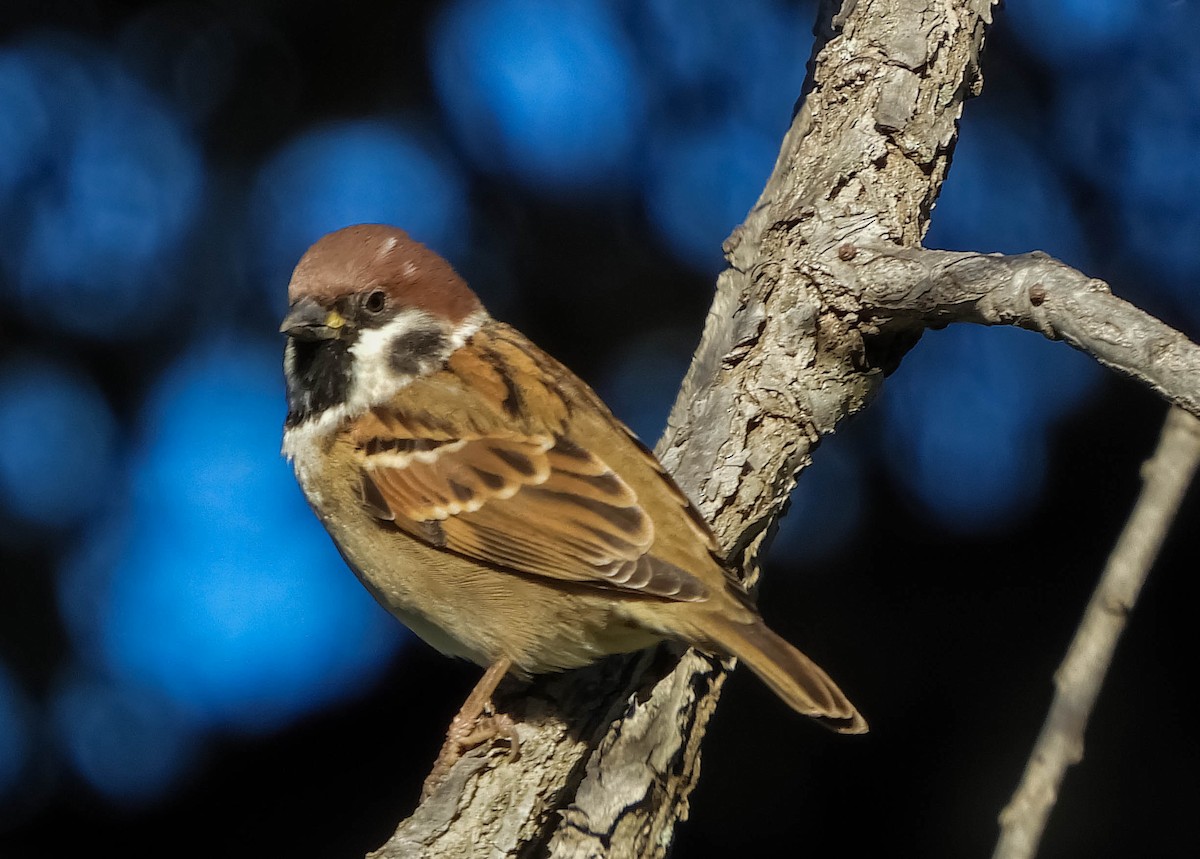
point(904, 288)
point(804, 325)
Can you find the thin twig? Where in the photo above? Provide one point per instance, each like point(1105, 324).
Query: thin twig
point(1166, 476)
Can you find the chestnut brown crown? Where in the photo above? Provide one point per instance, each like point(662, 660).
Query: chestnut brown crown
point(368, 257)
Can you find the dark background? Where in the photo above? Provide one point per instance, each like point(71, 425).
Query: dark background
point(186, 666)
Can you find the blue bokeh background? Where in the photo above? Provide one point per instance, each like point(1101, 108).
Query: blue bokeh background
point(179, 639)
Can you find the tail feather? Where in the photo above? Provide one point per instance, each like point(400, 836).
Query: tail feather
point(794, 677)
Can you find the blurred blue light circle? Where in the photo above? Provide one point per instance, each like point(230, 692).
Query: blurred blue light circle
point(966, 420)
point(976, 472)
point(1160, 162)
point(1002, 196)
point(1066, 32)
point(26, 121)
point(640, 384)
point(49, 84)
point(702, 185)
point(710, 59)
point(116, 189)
point(15, 739)
point(1086, 135)
point(58, 444)
point(1158, 177)
point(186, 50)
point(1166, 242)
point(222, 592)
point(1132, 131)
point(249, 631)
point(1057, 379)
point(546, 92)
point(128, 743)
point(209, 437)
point(827, 505)
point(351, 173)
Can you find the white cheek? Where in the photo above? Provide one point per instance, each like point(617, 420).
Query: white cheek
point(375, 380)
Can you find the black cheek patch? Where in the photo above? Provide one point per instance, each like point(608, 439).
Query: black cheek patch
point(414, 351)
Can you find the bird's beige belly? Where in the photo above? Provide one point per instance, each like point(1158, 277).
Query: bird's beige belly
point(475, 612)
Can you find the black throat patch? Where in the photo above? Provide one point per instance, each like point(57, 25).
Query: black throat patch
point(318, 376)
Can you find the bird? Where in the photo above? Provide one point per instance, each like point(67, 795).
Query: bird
point(487, 497)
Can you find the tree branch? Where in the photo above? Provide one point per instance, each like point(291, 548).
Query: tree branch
point(908, 287)
point(1166, 477)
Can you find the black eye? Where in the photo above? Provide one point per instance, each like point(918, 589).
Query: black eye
point(375, 302)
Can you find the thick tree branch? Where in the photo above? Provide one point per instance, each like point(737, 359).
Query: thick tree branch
point(907, 287)
point(1166, 478)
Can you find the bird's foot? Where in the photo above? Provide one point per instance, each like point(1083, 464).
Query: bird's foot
point(470, 730)
point(475, 724)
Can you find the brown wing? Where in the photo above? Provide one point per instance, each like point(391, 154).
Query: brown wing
point(496, 489)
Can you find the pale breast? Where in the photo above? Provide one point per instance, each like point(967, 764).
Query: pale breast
point(458, 606)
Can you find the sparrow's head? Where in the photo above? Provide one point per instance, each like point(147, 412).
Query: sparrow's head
point(371, 309)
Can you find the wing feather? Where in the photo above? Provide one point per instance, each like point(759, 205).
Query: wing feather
point(481, 459)
point(533, 505)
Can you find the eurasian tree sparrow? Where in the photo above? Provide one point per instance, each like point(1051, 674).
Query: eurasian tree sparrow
point(486, 496)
